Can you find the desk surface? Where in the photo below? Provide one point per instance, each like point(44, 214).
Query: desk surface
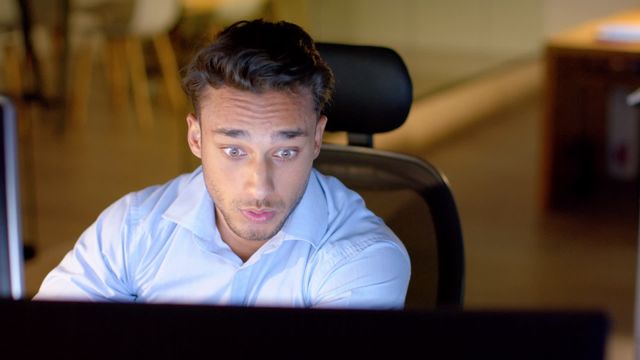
point(585, 36)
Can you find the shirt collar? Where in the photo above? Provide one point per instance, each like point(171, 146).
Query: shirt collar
point(193, 209)
point(309, 219)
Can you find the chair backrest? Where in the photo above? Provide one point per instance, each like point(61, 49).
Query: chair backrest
point(226, 12)
point(141, 18)
point(373, 95)
point(9, 15)
point(373, 90)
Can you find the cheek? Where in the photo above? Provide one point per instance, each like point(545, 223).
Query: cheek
point(221, 179)
point(291, 180)
point(214, 160)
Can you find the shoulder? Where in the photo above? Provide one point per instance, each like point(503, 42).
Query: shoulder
point(352, 229)
point(157, 199)
point(138, 213)
point(373, 242)
point(359, 262)
point(334, 190)
point(136, 225)
point(151, 202)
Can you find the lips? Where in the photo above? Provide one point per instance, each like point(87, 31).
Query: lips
point(258, 216)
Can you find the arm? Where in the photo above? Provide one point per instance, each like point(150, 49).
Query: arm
point(95, 269)
point(376, 277)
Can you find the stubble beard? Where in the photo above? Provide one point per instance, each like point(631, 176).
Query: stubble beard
point(254, 234)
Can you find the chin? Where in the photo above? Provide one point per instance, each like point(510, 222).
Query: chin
point(259, 232)
point(257, 236)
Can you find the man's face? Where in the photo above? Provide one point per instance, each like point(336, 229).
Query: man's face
point(257, 151)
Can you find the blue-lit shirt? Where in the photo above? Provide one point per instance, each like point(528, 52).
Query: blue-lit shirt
point(161, 245)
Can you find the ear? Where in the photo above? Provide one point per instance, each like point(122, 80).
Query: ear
point(194, 135)
point(319, 135)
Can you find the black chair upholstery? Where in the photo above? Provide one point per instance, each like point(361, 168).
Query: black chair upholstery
point(373, 95)
point(373, 90)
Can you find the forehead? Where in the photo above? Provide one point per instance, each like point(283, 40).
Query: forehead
point(229, 106)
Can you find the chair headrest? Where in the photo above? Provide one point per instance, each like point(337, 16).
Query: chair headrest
point(373, 92)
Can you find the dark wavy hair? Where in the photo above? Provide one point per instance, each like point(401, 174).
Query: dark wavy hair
point(258, 56)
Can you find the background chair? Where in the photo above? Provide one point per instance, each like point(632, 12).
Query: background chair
point(22, 76)
point(125, 25)
point(11, 78)
point(373, 95)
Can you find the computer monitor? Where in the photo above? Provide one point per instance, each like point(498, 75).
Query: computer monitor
point(70, 330)
point(11, 259)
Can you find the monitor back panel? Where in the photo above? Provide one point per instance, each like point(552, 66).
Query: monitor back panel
point(114, 330)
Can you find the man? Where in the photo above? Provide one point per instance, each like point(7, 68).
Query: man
point(255, 225)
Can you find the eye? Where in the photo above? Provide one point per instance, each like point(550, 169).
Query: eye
point(286, 154)
point(233, 152)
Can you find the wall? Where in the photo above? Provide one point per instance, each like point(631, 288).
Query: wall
point(560, 14)
point(497, 24)
point(446, 42)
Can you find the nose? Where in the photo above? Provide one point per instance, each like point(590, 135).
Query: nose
point(260, 179)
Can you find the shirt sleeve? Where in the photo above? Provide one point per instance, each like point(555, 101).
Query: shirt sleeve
point(376, 277)
point(94, 270)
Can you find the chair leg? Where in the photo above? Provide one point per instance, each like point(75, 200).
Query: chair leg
point(139, 82)
point(117, 74)
point(81, 84)
point(169, 67)
point(13, 71)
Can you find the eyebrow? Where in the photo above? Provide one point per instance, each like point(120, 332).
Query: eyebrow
point(282, 134)
point(234, 133)
point(290, 134)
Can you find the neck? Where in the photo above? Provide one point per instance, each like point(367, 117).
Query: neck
point(242, 247)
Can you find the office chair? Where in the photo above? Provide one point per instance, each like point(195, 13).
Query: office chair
point(373, 94)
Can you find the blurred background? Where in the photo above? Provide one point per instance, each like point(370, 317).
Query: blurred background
point(101, 114)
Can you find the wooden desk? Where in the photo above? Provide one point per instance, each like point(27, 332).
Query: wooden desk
point(580, 73)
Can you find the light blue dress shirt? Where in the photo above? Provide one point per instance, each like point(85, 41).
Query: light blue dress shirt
point(161, 245)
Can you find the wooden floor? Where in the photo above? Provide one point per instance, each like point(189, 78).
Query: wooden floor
point(521, 257)
point(517, 256)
